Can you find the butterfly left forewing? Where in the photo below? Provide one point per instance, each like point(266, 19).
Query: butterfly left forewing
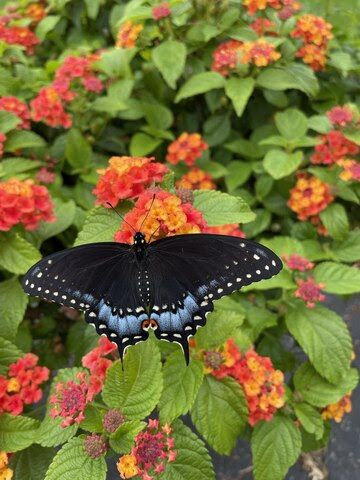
point(97, 279)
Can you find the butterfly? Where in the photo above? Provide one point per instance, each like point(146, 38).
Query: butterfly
point(168, 285)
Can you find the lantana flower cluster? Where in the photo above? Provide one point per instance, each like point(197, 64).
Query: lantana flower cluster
point(5, 472)
point(127, 177)
point(315, 34)
point(168, 216)
point(297, 262)
point(14, 105)
point(17, 35)
point(196, 179)
point(21, 386)
point(286, 7)
point(49, 105)
point(309, 197)
point(228, 55)
point(153, 449)
point(262, 385)
point(336, 411)
point(24, 202)
point(231, 229)
point(187, 148)
point(97, 362)
point(128, 34)
point(161, 11)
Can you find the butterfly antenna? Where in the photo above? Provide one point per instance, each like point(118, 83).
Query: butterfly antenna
point(151, 236)
point(147, 214)
point(122, 218)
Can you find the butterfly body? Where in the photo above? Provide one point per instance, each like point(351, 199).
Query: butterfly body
point(168, 285)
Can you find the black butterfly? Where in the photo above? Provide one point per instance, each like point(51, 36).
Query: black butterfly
point(168, 285)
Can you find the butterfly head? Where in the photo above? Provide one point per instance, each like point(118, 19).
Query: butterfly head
point(139, 239)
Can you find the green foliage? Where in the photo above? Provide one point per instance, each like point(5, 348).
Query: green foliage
point(122, 440)
point(17, 433)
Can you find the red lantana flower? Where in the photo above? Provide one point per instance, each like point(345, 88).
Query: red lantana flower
point(127, 177)
point(231, 229)
point(18, 36)
point(226, 57)
point(309, 291)
point(297, 262)
point(335, 146)
point(168, 216)
point(24, 202)
point(14, 105)
point(48, 108)
point(187, 148)
point(196, 179)
point(128, 34)
point(161, 11)
point(340, 116)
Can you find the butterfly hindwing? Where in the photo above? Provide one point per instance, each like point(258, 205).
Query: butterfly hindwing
point(190, 271)
point(98, 279)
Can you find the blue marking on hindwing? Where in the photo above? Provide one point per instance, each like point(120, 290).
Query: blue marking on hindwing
point(123, 326)
point(173, 322)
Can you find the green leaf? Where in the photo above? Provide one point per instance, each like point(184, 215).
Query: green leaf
point(9, 353)
point(32, 463)
point(12, 166)
point(283, 245)
point(157, 115)
point(319, 123)
point(337, 278)
point(92, 7)
point(310, 419)
point(294, 76)
point(64, 213)
point(18, 139)
point(220, 412)
point(109, 104)
point(12, 307)
point(335, 220)
point(46, 25)
point(342, 61)
point(169, 58)
point(324, 337)
point(257, 319)
point(245, 148)
point(93, 421)
point(316, 390)
point(16, 254)
point(142, 144)
point(221, 324)
point(200, 83)
point(72, 463)
point(122, 440)
point(239, 90)
point(115, 62)
point(89, 340)
point(275, 445)
point(349, 249)
point(353, 136)
point(17, 432)
point(100, 225)
point(279, 163)
point(261, 223)
point(192, 458)
point(292, 123)
point(181, 385)
point(78, 150)
point(238, 173)
point(52, 434)
point(136, 389)
point(8, 121)
point(220, 208)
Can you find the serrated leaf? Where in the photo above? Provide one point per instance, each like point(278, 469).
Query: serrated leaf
point(310, 419)
point(51, 433)
point(181, 385)
point(275, 445)
point(17, 432)
point(192, 458)
point(142, 144)
point(122, 440)
point(238, 173)
point(93, 421)
point(18, 139)
point(12, 307)
point(220, 412)
point(324, 337)
point(12, 166)
point(9, 353)
point(280, 164)
point(283, 245)
point(349, 249)
point(292, 123)
point(257, 319)
point(220, 324)
point(319, 123)
point(200, 83)
point(239, 91)
point(294, 75)
point(16, 254)
point(32, 463)
point(72, 463)
point(169, 58)
point(100, 225)
point(64, 213)
point(220, 208)
point(78, 150)
point(317, 390)
point(335, 220)
point(136, 389)
point(338, 278)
